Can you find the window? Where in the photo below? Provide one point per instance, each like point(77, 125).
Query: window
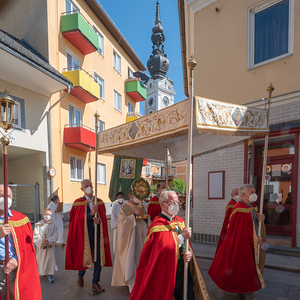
point(130, 107)
point(117, 101)
point(117, 62)
point(101, 173)
point(71, 8)
point(271, 31)
point(19, 113)
point(173, 171)
point(147, 170)
point(101, 42)
point(72, 62)
point(76, 168)
point(75, 116)
point(101, 125)
point(100, 81)
point(130, 73)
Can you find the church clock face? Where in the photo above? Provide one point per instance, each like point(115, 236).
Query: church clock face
point(150, 102)
point(166, 101)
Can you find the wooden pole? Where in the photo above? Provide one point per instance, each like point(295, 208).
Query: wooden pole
point(167, 166)
point(270, 89)
point(96, 168)
point(191, 64)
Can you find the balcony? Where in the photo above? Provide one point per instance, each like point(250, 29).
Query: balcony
point(85, 87)
point(79, 137)
point(136, 90)
point(132, 115)
point(77, 30)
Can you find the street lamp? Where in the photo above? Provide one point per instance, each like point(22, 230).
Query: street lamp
point(6, 115)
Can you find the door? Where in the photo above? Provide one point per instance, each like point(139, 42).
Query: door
point(278, 197)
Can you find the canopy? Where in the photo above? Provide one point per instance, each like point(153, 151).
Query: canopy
point(216, 125)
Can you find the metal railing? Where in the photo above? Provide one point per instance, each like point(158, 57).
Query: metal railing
point(79, 68)
point(133, 114)
point(79, 125)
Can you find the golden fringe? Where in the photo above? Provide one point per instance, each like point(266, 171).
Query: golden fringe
point(87, 261)
point(85, 202)
point(17, 288)
point(102, 249)
point(245, 210)
point(159, 228)
point(153, 202)
point(229, 206)
point(17, 223)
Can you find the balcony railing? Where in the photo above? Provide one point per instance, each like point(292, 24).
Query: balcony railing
point(77, 30)
point(133, 115)
point(85, 87)
point(79, 137)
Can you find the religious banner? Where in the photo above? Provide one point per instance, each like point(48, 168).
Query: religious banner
point(127, 168)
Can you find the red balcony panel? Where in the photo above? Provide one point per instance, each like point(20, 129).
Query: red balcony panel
point(79, 41)
point(144, 161)
point(136, 96)
point(80, 138)
point(82, 94)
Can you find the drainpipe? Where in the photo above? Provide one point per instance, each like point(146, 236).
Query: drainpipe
point(49, 133)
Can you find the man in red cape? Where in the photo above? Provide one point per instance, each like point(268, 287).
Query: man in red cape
point(22, 267)
point(154, 208)
point(234, 268)
point(160, 271)
point(234, 199)
point(80, 242)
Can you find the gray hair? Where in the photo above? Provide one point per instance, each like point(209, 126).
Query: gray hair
point(243, 189)
point(83, 181)
point(164, 196)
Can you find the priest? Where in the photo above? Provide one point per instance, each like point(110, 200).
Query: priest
point(21, 267)
point(161, 267)
point(131, 234)
point(154, 208)
point(80, 242)
point(235, 266)
point(235, 197)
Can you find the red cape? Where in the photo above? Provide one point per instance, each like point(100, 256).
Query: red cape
point(234, 267)
point(27, 281)
point(78, 241)
point(154, 208)
point(228, 211)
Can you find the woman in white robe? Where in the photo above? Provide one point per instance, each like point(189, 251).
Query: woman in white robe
point(45, 235)
point(57, 218)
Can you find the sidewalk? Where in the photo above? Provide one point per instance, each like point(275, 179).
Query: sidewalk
point(278, 261)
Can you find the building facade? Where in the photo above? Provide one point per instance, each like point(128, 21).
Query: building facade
point(243, 46)
point(81, 41)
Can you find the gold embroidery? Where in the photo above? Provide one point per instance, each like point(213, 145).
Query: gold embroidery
point(17, 223)
point(176, 240)
point(102, 249)
point(159, 228)
point(154, 202)
point(240, 209)
point(87, 255)
point(85, 202)
point(229, 206)
point(17, 289)
point(127, 209)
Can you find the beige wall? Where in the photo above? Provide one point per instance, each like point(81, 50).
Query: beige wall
point(221, 53)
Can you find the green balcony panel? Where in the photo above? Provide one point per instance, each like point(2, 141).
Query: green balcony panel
point(136, 90)
point(79, 32)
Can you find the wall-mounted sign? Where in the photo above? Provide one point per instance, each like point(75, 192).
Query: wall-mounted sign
point(276, 170)
point(52, 172)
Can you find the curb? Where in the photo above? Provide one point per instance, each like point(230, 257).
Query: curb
point(278, 268)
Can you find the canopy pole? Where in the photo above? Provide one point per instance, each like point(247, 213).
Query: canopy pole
point(270, 89)
point(96, 115)
point(250, 146)
point(167, 166)
point(191, 65)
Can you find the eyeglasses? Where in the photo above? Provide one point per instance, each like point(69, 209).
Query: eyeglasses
point(171, 202)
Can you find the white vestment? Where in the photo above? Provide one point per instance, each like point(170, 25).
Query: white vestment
point(56, 216)
point(45, 257)
point(114, 221)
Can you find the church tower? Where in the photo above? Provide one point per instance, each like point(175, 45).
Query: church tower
point(160, 93)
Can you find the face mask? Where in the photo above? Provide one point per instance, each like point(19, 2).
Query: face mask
point(173, 209)
point(137, 201)
point(89, 190)
point(121, 200)
point(252, 197)
point(9, 201)
point(47, 217)
point(237, 198)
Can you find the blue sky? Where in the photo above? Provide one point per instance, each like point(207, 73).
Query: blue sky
point(135, 19)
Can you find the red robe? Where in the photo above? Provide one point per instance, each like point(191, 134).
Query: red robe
point(154, 208)
point(27, 281)
point(234, 267)
point(228, 211)
point(78, 251)
point(156, 272)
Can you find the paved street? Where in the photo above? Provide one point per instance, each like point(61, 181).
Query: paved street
point(280, 285)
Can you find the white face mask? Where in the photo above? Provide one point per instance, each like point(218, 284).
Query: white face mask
point(9, 201)
point(237, 198)
point(88, 190)
point(137, 201)
point(121, 200)
point(47, 217)
point(252, 197)
point(173, 209)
